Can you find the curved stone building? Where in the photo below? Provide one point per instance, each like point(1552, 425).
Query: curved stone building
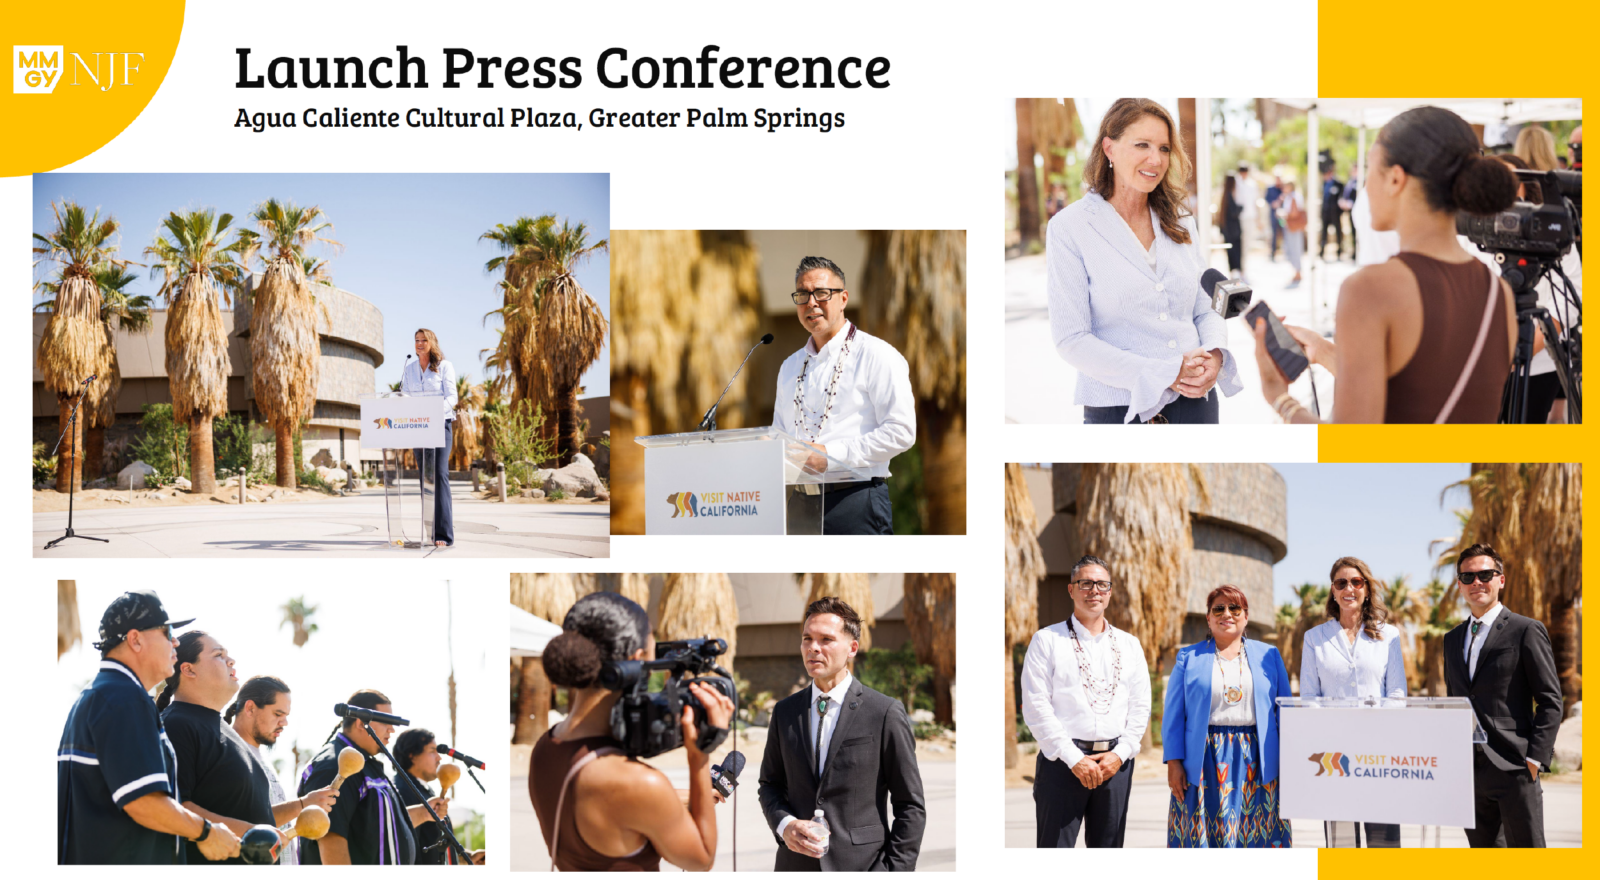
point(351, 330)
point(1239, 526)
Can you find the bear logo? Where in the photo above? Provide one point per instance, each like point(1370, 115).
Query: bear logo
point(683, 504)
point(1331, 763)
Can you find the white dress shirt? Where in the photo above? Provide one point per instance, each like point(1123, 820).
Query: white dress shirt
point(829, 722)
point(1055, 705)
point(874, 416)
point(1245, 193)
point(1121, 323)
point(1371, 668)
point(440, 381)
point(1474, 647)
point(1232, 673)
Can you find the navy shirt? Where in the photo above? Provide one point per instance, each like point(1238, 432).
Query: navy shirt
point(217, 770)
point(113, 752)
point(368, 815)
point(428, 832)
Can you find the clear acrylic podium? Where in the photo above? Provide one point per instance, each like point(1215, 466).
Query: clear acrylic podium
point(401, 423)
point(733, 482)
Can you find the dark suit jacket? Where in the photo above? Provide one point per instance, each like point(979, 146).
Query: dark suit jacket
point(1516, 693)
point(870, 757)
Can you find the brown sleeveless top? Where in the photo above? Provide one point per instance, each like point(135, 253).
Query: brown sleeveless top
point(547, 770)
point(1454, 296)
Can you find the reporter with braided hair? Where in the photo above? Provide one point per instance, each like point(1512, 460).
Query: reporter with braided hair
point(598, 809)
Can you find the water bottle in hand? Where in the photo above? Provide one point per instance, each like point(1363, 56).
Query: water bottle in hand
point(821, 822)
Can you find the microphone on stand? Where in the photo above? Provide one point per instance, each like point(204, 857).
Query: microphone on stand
point(360, 714)
point(91, 378)
point(465, 759)
point(1228, 297)
point(709, 423)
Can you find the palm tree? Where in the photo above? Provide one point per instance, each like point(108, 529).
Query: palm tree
point(67, 629)
point(1283, 633)
point(930, 610)
point(1532, 515)
point(854, 589)
point(519, 288)
point(546, 596)
point(466, 442)
point(696, 605)
point(687, 302)
point(297, 613)
point(197, 267)
point(914, 293)
point(285, 350)
point(73, 346)
point(1312, 611)
point(1407, 612)
point(1028, 224)
point(1025, 567)
point(571, 328)
point(1443, 604)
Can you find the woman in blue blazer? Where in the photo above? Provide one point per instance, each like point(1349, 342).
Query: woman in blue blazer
point(1123, 281)
point(1219, 734)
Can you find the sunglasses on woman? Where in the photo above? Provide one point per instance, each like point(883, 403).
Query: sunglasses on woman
point(1230, 610)
point(1483, 577)
point(1349, 583)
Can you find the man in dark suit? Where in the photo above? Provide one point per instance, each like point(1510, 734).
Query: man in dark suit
point(1502, 662)
point(867, 757)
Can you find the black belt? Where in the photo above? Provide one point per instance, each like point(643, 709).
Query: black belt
point(1094, 747)
point(851, 486)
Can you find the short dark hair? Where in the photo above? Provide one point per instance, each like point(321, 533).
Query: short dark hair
point(411, 743)
point(836, 605)
point(809, 263)
point(1087, 560)
point(367, 698)
point(263, 690)
point(1480, 550)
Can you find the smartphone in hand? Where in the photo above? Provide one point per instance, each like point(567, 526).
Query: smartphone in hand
point(1285, 352)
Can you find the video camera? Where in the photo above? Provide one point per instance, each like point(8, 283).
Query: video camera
point(647, 723)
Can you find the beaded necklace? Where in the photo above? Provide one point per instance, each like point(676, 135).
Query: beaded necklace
point(1232, 695)
point(1097, 690)
point(801, 423)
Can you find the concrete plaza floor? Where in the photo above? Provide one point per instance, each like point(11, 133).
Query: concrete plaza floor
point(1147, 819)
point(757, 848)
point(1039, 384)
point(355, 526)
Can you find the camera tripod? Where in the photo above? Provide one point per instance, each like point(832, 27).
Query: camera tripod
point(1564, 348)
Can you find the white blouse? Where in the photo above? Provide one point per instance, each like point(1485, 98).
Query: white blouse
point(414, 380)
point(1371, 668)
point(1233, 673)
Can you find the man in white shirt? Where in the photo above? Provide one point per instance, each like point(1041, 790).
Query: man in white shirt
point(1503, 663)
point(847, 394)
point(845, 750)
point(1086, 698)
point(1246, 193)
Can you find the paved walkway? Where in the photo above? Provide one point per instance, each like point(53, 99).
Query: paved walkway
point(757, 848)
point(1039, 384)
point(348, 527)
point(1147, 820)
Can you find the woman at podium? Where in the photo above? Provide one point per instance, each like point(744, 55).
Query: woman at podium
point(1220, 734)
point(1354, 656)
point(430, 373)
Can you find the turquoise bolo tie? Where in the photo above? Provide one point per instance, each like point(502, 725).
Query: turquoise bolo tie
point(822, 715)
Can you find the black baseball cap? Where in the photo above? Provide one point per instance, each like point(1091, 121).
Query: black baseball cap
point(135, 609)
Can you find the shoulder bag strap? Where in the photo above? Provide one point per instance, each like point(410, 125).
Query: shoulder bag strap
point(1477, 349)
point(561, 799)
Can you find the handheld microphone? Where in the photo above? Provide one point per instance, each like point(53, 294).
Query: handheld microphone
point(91, 378)
point(360, 714)
point(709, 423)
point(725, 776)
point(465, 759)
point(1228, 297)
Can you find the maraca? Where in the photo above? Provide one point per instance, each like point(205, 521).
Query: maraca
point(262, 843)
point(350, 763)
point(448, 774)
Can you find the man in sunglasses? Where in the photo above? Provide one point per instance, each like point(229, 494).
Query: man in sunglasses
point(847, 395)
point(116, 772)
point(1502, 662)
point(1086, 698)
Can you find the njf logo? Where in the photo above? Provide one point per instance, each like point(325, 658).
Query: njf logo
point(37, 70)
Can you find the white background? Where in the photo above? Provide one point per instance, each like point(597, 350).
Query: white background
point(920, 154)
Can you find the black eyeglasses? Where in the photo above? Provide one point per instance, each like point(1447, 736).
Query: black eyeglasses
point(1093, 586)
point(1483, 577)
point(1352, 583)
point(1230, 610)
point(822, 294)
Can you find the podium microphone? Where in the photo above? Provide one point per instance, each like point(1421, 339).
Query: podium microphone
point(368, 715)
point(709, 423)
point(91, 378)
point(725, 776)
point(465, 759)
point(1229, 298)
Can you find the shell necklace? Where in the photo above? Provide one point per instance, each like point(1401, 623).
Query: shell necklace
point(802, 424)
point(1097, 690)
point(1232, 694)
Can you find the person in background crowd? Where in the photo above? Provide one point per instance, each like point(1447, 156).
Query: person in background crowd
point(1332, 192)
point(1228, 212)
point(1274, 193)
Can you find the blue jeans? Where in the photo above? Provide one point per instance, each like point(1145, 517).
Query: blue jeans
point(444, 526)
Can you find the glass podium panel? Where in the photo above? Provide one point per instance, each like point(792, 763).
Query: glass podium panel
point(411, 473)
point(1478, 736)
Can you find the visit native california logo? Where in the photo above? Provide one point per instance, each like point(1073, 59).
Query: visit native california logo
point(387, 424)
point(37, 70)
point(1375, 766)
point(714, 503)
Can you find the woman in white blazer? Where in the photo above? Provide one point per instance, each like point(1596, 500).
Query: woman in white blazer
point(1123, 281)
point(431, 374)
point(1354, 656)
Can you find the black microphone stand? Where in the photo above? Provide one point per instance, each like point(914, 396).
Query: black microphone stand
point(475, 779)
point(709, 422)
point(72, 476)
point(401, 773)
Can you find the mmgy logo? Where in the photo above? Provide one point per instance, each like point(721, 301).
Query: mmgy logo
point(37, 70)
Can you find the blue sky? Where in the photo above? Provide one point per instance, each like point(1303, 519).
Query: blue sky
point(410, 240)
point(1383, 513)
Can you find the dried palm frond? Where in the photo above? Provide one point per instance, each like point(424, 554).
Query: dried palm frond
point(285, 349)
point(1025, 565)
point(549, 596)
point(629, 585)
point(68, 632)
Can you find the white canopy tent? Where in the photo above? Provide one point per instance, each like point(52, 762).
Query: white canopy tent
point(529, 634)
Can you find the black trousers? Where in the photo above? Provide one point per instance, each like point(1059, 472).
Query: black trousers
point(1183, 411)
point(1061, 805)
point(1509, 806)
point(861, 508)
point(1338, 236)
point(1543, 391)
